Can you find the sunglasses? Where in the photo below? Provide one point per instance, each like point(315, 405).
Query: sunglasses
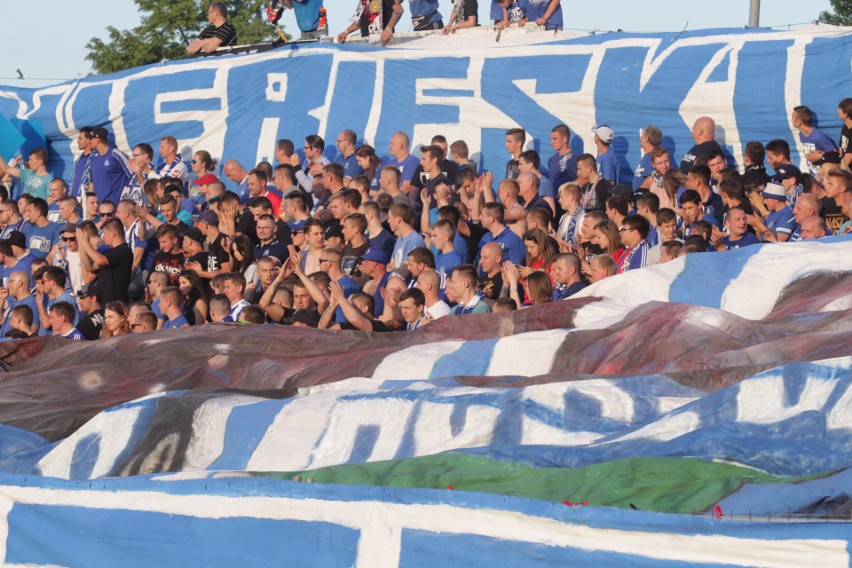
point(69, 239)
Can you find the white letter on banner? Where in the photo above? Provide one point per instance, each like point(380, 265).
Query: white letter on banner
point(276, 91)
point(761, 401)
point(276, 87)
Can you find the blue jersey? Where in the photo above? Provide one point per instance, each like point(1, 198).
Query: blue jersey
point(643, 170)
point(781, 222)
point(744, 241)
point(11, 303)
point(562, 169)
point(74, 334)
point(179, 321)
point(307, 14)
point(608, 166)
point(68, 298)
point(496, 11)
point(40, 240)
point(537, 8)
point(445, 262)
point(350, 165)
point(512, 245)
point(424, 10)
point(349, 287)
point(653, 237)
point(110, 174)
point(34, 184)
point(81, 177)
point(545, 188)
point(384, 241)
point(817, 140)
point(635, 257)
point(406, 167)
point(405, 245)
point(517, 11)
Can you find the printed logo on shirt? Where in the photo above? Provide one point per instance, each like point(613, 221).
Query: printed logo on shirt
point(40, 244)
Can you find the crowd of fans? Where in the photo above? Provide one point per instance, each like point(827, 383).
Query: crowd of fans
point(133, 244)
point(377, 20)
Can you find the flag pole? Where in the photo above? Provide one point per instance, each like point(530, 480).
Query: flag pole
point(754, 14)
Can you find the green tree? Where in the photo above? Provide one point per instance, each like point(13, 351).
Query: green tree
point(842, 15)
point(167, 27)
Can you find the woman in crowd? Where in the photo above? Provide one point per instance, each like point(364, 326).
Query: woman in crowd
point(242, 261)
point(202, 164)
point(539, 289)
point(673, 182)
point(540, 250)
point(116, 315)
point(370, 163)
point(606, 235)
point(195, 307)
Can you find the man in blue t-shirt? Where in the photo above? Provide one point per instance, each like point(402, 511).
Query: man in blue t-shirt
point(812, 138)
point(401, 220)
point(18, 285)
point(513, 246)
point(562, 166)
point(693, 210)
point(170, 304)
point(346, 146)
point(547, 13)
point(42, 235)
point(50, 290)
point(60, 317)
point(779, 223)
point(310, 17)
point(110, 169)
point(82, 174)
point(425, 15)
point(402, 159)
point(738, 235)
point(36, 180)
point(607, 162)
point(330, 264)
point(650, 138)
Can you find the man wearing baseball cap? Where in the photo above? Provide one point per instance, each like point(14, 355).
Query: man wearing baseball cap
point(110, 169)
point(607, 162)
point(773, 220)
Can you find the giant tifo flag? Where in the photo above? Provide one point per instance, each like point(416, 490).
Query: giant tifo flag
point(695, 413)
point(471, 86)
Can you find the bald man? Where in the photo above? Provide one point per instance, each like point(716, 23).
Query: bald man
point(402, 159)
point(490, 266)
point(813, 227)
point(235, 172)
point(429, 283)
point(807, 205)
point(704, 135)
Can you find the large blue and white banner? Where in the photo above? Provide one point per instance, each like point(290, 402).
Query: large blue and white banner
point(469, 87)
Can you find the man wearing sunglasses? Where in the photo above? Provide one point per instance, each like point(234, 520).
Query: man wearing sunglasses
point(66, 255)
point(51, 284)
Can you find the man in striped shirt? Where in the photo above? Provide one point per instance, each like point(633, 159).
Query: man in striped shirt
point(220, 32)
point(634, 235)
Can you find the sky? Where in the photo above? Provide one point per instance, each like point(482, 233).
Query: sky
point(68, 26)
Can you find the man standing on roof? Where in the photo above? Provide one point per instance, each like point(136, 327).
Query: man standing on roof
point(220, 32)
point(376, 20)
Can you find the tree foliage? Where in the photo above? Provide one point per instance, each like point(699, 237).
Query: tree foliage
point(167, 27)
point(842, 15)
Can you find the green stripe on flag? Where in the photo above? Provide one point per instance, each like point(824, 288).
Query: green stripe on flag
point(671, 485)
